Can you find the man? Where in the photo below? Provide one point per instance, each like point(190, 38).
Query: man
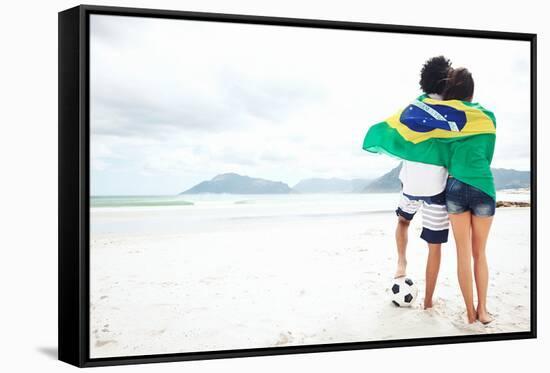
point(424, 187)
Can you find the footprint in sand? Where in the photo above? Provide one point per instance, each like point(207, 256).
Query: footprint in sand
point(158, 332)
point(100, 343)
point(284, 338)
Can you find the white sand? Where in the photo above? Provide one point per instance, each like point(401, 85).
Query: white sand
point(277, 282)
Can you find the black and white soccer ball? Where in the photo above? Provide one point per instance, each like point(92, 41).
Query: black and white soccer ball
point(403, 292)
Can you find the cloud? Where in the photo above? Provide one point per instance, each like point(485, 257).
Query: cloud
point(174, 102)
point(143, 86)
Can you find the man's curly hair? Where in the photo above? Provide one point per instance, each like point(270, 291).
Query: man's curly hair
point(433, 75)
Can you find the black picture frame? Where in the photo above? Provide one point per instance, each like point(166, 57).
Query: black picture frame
point(74, 186)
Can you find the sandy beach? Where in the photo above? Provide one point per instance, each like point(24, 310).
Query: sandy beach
point(258, 275)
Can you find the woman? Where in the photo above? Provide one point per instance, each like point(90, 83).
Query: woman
point(470, 209)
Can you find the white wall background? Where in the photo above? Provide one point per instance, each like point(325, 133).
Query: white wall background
point(28, 184)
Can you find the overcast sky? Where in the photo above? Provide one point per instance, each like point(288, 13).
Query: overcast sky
point(177, 102)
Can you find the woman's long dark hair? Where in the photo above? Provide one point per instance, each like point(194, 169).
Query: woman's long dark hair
point(460, 85)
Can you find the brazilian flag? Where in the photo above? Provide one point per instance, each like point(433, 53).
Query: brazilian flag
point(455, 134)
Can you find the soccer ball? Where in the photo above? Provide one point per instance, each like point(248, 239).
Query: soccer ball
point(403, 292)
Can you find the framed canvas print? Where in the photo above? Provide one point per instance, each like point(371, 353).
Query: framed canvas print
point(236, 186)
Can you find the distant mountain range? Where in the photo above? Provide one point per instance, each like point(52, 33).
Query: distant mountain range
point(504, 179)
point(386, 183)
point(237, 184)
point(511, 179)
point(232, 183)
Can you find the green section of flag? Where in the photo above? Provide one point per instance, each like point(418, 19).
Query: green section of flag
point(466, 158)
point(489, 113)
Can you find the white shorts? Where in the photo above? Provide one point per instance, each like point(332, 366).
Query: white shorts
point(435, 219)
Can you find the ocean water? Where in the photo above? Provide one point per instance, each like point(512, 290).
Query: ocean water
point(208, 212)
point(376, 201)
point(137, 201)
point(307, 201)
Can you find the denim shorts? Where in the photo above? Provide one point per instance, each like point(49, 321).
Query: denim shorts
point(462, 197)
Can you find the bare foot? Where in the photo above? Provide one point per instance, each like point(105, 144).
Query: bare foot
point(401, 268)
point(428, 304)
point(484, 317)
point(472, 316)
